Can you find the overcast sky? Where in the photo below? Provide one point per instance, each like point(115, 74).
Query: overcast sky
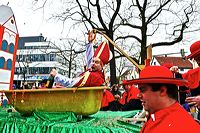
point(32, 23)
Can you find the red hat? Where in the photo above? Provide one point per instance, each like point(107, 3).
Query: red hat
point(168, 65)
point(103, 53)
point(157, 74)
point(195, 50)
point(125, 82)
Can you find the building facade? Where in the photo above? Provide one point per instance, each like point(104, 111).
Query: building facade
point(35, 59)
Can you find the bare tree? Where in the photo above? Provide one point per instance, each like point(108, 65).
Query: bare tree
point(133, 21)
point(170, 18)
point(93, 14)
point(67, 53)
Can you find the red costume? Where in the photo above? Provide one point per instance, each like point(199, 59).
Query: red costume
point(173, 119)
point(193, 77)
point(131, 94)
point(93, 79)
point(88, 78)
point(107, 98)
point(96, 78)
point(166, 115)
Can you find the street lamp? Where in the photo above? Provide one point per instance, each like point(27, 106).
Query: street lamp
point(182, 53)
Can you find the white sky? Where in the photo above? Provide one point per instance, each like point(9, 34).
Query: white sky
point(32, 23)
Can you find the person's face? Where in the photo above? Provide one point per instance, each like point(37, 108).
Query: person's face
point(197, 59)
point(43, 85)
point(126, 87)
point(96, 64)
point(116, 88)
point(148, 98)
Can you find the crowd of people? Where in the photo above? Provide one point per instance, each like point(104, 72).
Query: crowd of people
point(115, 100)
point(156, 90)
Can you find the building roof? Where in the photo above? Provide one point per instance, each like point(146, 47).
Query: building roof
point(176, 61)
point(23, 40)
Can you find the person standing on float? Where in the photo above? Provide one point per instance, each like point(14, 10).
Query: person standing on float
point(94, 75)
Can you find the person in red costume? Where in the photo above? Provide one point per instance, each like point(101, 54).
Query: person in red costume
point(183, 90)
point(94, 75)
point(193, 77)
point(129, 100)
point(158, 94)
point(116, 92)
point(107, 100)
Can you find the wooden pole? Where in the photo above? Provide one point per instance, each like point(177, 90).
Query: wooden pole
point(135, 119)
point(118, 48)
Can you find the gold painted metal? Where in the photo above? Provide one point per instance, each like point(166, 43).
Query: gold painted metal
point(81, 101)
point(149, 52)
point(119, 49)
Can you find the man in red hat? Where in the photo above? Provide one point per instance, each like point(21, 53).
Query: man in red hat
point(193, 76)
point(94, 76)
point(158, 94)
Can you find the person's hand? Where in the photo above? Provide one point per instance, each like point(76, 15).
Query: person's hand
point(193, 100)
point(53, 72)
point(117, 96)
point(174, 69)
point(91, 36)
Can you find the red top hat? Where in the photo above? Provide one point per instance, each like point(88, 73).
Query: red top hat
point(157, 74)
point(195, 50)
point(103, 53)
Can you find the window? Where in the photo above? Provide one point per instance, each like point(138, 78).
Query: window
point(9, 64)
point(52, 57)
point(2, 61)
point(11, 48)
point(4, 45)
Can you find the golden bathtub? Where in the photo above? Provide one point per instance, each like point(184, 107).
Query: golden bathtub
point(81, 101)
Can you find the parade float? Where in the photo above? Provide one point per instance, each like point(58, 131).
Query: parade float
point(53, 110)
point(81, 101)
